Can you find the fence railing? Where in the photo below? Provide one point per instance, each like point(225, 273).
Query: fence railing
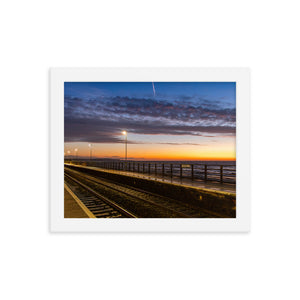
point(208, 172)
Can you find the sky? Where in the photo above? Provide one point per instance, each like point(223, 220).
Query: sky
point(163, 120)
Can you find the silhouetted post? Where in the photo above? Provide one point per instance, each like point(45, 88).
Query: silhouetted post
point(155, 168)
point(143, 168)
point(138, 167)
point(125, 134)
point(221, 174)
point(149, 168)
point(163, 169)
point(76, 153)
point(205, 172)
point(180, 170)
point(171, 170)
point(90, 146)
point(192, 170)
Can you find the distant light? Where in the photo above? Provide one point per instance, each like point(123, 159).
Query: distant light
point(69, 151)
point(90, 145)
point(124, 132)
point(76, 149)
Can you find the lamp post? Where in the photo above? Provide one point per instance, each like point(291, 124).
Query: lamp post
point(125, 133)
point(76, 151)
point(90, 146)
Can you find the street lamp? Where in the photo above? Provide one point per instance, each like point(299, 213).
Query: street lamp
point(125, 133)
point(76, 152)
point(90, 146)
point(69, 154)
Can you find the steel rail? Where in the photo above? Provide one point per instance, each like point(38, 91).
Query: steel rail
point(104, 199)
point(164, 198)
point(100, 182)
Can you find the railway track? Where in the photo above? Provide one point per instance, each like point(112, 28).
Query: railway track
point(142, 203)
point(98, 205)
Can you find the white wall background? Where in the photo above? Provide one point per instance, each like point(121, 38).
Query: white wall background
point(262, 35)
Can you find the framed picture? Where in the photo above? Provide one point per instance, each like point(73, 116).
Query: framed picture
point(149, 150)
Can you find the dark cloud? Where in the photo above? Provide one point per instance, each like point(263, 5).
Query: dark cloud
point(187, 111)
point(101, 120)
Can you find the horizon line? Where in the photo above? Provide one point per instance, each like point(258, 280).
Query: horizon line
point(149, 159)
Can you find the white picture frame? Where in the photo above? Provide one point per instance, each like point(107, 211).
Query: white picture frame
point(60, 75)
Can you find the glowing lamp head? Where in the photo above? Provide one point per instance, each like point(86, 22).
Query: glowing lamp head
point(76, 150)
point(69, 151)
point(90, 145)
point(124, 132)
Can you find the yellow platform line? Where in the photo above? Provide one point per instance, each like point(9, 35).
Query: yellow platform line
point(79, 202)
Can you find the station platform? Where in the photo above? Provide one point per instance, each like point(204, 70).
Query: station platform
point(71, 208)
point(207, 185)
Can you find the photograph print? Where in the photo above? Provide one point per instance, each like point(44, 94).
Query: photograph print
point(149, 149)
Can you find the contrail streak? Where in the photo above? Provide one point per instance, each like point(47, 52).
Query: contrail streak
point(153, 88)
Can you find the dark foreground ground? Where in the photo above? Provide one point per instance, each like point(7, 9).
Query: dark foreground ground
point(220, 204)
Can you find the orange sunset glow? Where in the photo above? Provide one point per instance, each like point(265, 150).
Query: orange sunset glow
point(153, 152)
